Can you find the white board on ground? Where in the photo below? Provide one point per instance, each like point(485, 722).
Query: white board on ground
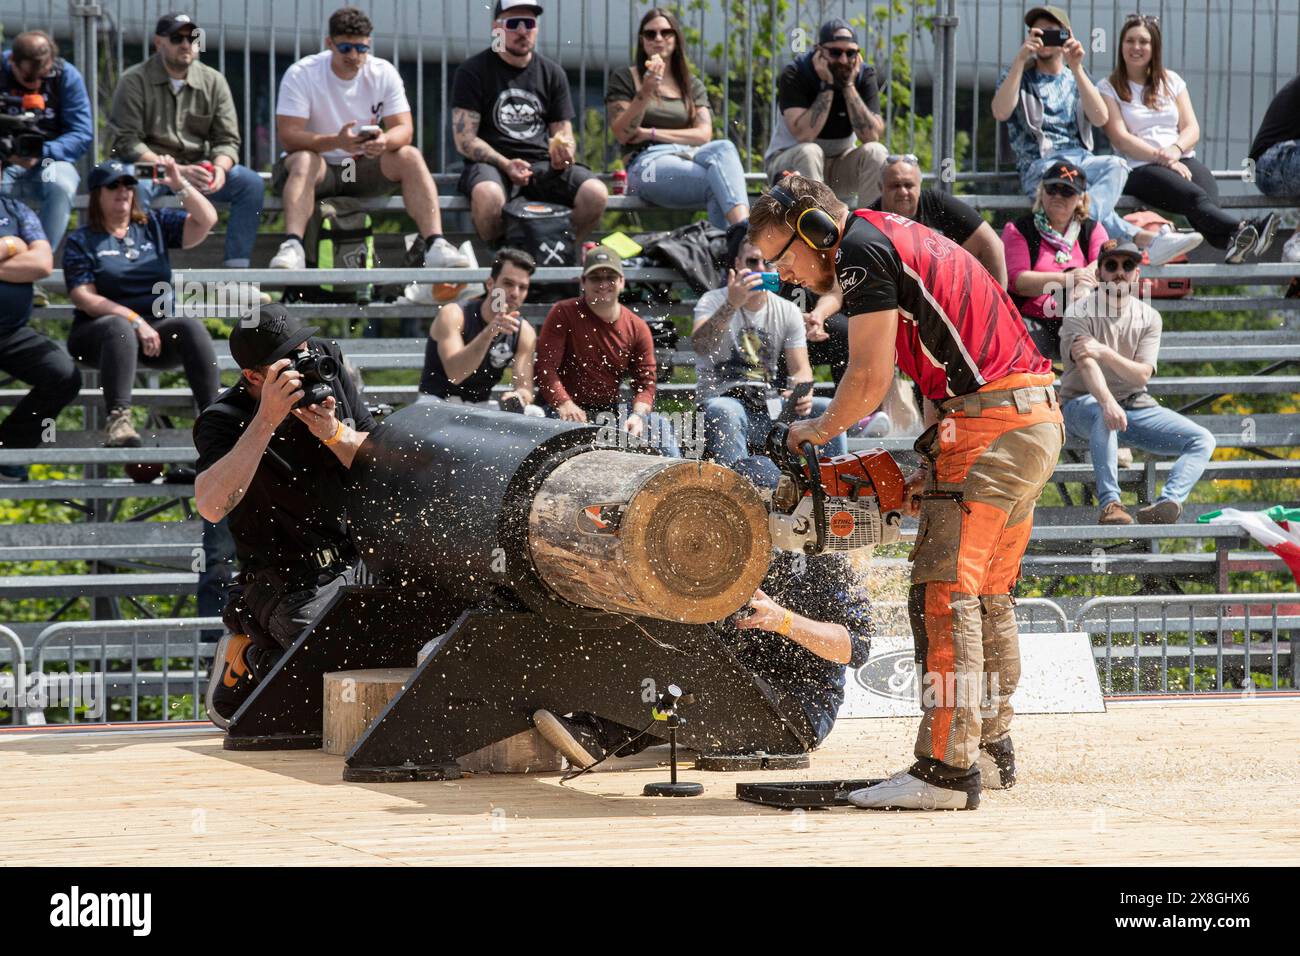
point(1058, 676)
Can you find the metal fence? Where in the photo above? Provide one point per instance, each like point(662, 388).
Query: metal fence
point(1191, 644)
point(936, 60)
point(157, 669)
point(162, 659)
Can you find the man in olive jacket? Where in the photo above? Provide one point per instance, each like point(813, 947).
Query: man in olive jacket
point(173, 105)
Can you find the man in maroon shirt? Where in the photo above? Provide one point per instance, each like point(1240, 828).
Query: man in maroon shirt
point(589, 344)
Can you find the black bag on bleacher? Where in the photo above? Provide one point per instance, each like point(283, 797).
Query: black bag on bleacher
point(545, 231)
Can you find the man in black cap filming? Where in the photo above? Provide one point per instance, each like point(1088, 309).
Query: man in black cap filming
point(274, 453)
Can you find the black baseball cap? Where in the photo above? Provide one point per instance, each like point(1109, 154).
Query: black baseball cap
point(266, 334)
point(517, 7)
point(1052, 13)
point(1064, 171)
point(109, 172)
point(170, 23)
point(1113, 248)
point(837, 29)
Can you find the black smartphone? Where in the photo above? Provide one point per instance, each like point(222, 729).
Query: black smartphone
point(149, 172)
point(1055, 37)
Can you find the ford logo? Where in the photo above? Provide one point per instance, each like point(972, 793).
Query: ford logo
point(891, 675)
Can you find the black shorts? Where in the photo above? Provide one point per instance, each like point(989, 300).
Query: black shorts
point(548, 184)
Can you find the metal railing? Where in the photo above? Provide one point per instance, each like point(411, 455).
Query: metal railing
point(175, 661)
point(1190, 644)
point(14, 681)
point(949, 56)
point(1033, 615)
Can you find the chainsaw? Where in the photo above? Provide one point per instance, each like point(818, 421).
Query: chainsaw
point(832, 504)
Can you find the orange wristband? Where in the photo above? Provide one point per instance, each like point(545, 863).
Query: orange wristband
point(336, 437)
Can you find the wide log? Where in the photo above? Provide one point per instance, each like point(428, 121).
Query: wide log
point(666, 538)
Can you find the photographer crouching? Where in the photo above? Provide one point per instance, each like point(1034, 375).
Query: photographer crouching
point(274, 453)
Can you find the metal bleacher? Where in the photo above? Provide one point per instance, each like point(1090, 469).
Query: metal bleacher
point(134, 558)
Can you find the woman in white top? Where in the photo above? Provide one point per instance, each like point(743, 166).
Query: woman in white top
point(1153, 125)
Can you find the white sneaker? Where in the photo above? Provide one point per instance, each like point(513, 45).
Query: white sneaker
point(902, 791)
point(1291, 250)
point(290, 256)
point(443, 255)
point(1171, 245)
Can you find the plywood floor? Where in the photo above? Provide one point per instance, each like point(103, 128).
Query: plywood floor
point(1208, 782)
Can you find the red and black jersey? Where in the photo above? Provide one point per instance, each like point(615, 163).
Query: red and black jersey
point(957, 328)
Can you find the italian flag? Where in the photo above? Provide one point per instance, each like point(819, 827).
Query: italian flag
point(1277, 529)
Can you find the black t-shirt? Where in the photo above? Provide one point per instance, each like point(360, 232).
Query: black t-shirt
point(822, 587)
point(516, 107)
point(17, 220)
point(294, 505)
point(946, 214)
point(478, 386)
point(800, 85)
point(1281, 120)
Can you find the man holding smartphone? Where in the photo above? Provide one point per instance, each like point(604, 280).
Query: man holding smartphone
point(173, 105)
point(1050, 107)
point(741, 332)
point(346, 126)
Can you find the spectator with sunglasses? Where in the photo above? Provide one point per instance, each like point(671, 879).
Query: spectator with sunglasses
point(1276, 154)
point(901, 194)
point(659, 110)
point(1153, 124)
point(32, 70)
point(173, 105)
point(1050, 107)
point(828, 96)
point(512, 119)
point(1052, 254)
point(1111, 340)
point(118, 272)
point(346, 126)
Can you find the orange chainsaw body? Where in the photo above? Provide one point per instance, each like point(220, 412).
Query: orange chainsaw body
point(873, 470)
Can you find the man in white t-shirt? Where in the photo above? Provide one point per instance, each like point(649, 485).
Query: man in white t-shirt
point(346, 126)
point(741, 331)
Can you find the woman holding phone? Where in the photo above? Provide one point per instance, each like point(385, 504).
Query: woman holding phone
point(659, 110)
point(119, 277)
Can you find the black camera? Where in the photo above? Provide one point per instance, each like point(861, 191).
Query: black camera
point(1055, 37)
point(318, 371)
point(20, 136)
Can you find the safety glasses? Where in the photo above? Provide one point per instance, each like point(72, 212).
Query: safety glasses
point(521, 23)
point(346, 48)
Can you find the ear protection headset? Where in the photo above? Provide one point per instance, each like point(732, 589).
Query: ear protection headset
point(810, 222)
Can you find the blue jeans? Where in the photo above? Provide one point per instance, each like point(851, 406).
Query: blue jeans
point(1278, 171)
point(50, 184)
point(218, 574)
point(1159, 430)
point(691, 177)
point(245, 192)
point(730, 428)
point(1106, 178)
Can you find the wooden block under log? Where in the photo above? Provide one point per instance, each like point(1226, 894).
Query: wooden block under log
point(673, 539)
point(353, 699)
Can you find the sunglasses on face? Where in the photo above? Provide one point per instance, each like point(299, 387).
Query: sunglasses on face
point(120, 184)
point(657, 34)
point(521, 23)
point(836, 53)
point(1119, 265)
point(179, 39)
point(346, 48)
point(1061, 190)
